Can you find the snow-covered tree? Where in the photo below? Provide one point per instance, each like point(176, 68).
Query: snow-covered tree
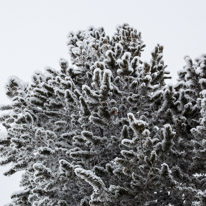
point(106, 129)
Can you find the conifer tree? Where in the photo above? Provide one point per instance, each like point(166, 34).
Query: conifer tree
point(106, 130)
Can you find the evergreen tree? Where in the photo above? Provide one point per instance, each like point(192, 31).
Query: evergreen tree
point(105, 129)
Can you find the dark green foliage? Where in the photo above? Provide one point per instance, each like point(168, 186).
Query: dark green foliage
point(107, 130)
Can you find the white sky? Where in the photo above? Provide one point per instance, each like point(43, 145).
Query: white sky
point(33, 35)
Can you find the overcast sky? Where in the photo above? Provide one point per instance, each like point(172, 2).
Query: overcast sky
point(33, 35)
